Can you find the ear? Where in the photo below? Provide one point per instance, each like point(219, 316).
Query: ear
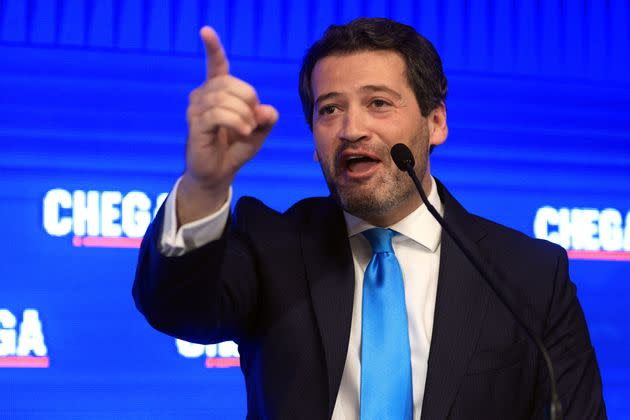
point(438, 129)
point(315, 156)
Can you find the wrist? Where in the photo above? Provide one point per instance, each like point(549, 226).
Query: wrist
point(195, 200)
point(195, 186)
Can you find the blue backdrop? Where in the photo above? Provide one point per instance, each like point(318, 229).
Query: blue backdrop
point(92, 129)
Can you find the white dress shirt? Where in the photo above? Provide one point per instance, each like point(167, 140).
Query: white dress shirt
point(417, 248)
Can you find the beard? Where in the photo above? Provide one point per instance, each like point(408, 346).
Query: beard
point(382, 193)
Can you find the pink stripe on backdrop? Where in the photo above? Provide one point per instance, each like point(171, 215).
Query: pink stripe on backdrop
point(600, 255)
point(24, 362)
point(106, 242)
point(123, 242)
point(222, 362)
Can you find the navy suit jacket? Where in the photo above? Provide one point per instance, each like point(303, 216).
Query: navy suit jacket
point(281, 286)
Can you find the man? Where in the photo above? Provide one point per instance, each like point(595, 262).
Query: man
point(333, 316)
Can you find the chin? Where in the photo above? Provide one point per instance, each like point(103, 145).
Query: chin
point(365, 204)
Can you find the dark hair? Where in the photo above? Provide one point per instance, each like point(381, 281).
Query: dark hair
point(424, 67)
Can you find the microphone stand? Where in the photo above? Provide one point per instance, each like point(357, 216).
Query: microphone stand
point(405, 161)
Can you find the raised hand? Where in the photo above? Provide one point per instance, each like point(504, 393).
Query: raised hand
point(226, 127)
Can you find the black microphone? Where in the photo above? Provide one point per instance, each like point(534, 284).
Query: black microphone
point(403, 158)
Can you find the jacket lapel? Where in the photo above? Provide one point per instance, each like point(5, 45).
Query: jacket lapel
point(330, 275)
point(461, 303)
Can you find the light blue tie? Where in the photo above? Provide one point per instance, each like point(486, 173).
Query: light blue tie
point(386, 390)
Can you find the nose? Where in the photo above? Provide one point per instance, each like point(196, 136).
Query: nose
point(353, 128)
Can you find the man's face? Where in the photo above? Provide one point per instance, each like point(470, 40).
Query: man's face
point(363, 106)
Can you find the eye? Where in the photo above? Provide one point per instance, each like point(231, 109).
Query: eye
point(327, 110)
point(379, 103)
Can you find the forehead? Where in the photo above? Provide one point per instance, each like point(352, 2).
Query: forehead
point(349, 72)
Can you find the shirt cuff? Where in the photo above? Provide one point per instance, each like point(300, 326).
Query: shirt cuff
point(176, 242)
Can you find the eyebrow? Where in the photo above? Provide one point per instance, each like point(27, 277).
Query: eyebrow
point(381, 88)
point(366, 88)
point(326, 96)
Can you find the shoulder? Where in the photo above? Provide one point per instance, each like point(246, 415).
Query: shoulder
point(533, 271)
point(510, 242)
point(499, 244)
point(530, 263)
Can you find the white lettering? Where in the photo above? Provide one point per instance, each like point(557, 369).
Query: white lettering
point(7, 333)
point(85, 213)
point(211, 350)
point(54, 224)
point(228, 349)
point(193, 350)
point(610, 233)
point(110, 214)
point(31, 338)
point(584, 228)
point(564, 228)
point(190, 350)
point(546, 216)
point(99, 213)
point(136, 214)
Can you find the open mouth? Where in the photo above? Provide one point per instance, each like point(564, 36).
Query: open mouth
point(358, 163)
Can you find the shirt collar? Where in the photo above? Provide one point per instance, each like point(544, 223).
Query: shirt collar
point(419, 225)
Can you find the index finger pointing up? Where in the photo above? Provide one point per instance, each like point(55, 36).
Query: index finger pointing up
point(216, 61)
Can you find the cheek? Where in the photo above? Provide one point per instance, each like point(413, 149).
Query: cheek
point(395, 130)
point(324, 148)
